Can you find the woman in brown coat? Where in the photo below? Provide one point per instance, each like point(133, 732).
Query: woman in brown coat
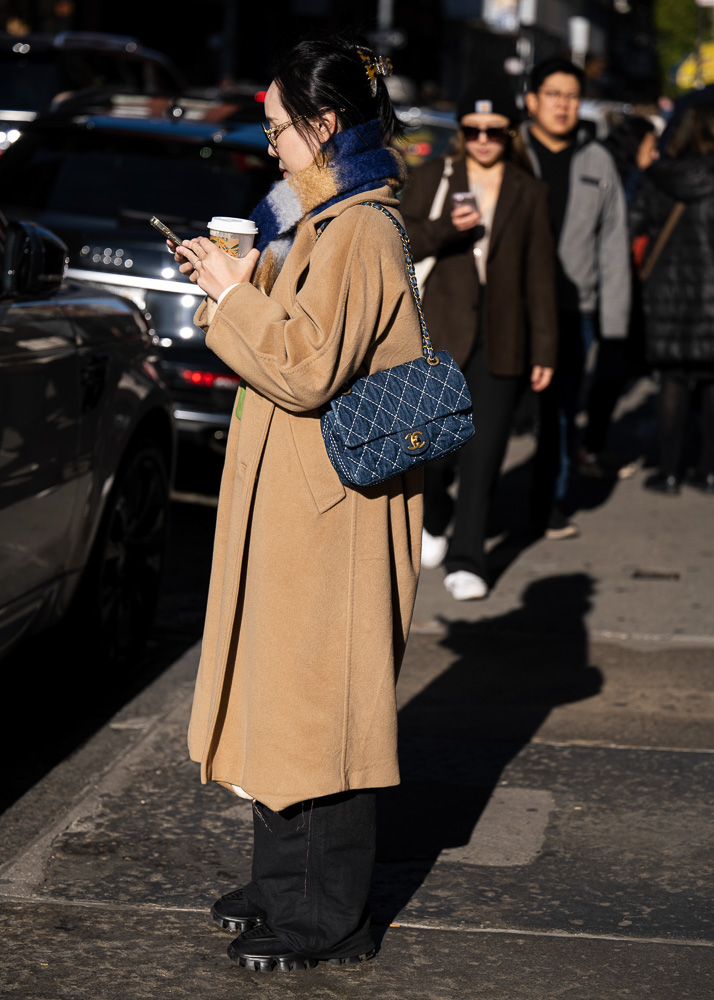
point(490, 301)
point(313, 584)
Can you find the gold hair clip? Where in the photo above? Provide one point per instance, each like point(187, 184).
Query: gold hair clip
point(374, 66)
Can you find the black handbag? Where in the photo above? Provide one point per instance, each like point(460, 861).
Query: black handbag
point(395, 420)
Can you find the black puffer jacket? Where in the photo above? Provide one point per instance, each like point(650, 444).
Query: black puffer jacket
point(678, 297)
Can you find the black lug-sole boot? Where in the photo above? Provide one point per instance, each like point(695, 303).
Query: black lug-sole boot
point(259, 950)
point(233, 912)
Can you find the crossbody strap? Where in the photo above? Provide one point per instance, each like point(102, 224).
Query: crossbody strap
point(672, 219)
point(427, 348)
point(437, 206)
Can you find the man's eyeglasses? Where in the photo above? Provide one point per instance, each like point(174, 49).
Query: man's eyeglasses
point(271, 134)
point(495, 134)
point(555, 95)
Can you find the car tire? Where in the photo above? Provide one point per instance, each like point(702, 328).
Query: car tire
point(117, 597)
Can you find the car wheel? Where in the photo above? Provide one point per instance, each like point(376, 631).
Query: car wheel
point(120, 587)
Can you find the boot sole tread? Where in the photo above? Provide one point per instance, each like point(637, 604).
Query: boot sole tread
point(234, 924)
point(299, 963)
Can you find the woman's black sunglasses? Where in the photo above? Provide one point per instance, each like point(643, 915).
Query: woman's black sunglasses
point(495, 134)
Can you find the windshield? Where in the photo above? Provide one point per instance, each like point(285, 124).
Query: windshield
point(124, 178)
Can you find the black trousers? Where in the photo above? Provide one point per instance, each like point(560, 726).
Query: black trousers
point(558, 408)
point(312, 869)
point(611, 374)
point(676, 393)
point(479, 462)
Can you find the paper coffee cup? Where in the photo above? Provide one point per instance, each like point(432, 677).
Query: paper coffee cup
point(235, 236)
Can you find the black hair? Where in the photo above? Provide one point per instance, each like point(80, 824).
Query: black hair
point(625, 140)
point(556, 64)
point(318, 73)
point(694, 133)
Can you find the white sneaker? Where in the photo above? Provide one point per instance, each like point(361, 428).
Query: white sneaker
point(433, 549)
point(465, 586)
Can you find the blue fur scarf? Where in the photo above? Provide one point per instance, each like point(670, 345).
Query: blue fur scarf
point(357, 161)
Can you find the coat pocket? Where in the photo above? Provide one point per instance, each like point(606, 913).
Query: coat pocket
point(321, 478)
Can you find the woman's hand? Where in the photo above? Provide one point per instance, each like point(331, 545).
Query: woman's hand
point(179, 257)
point(540, 378)
point(212, 269)
point(465, 218)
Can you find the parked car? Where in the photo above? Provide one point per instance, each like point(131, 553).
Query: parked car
point(429, 133)
point(96, 180)
point(38, 72)
point(86, 453)
point(97, 177)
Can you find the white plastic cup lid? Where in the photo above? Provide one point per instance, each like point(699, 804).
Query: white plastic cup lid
point(228, 224)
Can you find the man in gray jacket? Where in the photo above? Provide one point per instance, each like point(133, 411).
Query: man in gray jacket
point(589, 221)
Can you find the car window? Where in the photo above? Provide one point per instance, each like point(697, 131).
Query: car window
point(114, 176)
point(28, 84)
point(98, 69)
point(107, 69)
point(30, 81)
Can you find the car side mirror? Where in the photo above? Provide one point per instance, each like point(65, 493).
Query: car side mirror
point(35, 261)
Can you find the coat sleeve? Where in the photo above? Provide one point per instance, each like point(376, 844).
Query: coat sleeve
point(205, 313)
point(427, 238)
point(614, 258)
point(540, 285)
point(299, 359)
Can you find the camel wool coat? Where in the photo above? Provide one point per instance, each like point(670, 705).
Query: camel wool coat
point(312, 583)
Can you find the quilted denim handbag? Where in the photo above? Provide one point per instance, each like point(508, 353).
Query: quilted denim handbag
point(396, 420)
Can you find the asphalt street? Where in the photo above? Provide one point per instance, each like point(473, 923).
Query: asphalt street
point(551, 837)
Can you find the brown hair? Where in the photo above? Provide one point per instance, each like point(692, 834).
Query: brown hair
point(694, 135)
point(514, 149)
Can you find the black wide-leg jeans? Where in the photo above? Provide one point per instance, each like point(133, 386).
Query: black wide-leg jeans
point(312, 869)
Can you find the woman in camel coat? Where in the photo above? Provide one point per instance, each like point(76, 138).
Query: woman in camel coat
point(313, 583)
point(308, 612)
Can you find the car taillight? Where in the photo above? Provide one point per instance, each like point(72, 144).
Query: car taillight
point(420, 149)
point(211, 379)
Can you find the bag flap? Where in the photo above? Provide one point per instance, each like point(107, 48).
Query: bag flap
point(400, 399)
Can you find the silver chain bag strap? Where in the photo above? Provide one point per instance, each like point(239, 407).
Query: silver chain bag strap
point(395, 420)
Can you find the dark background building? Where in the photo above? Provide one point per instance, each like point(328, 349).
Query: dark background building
point(435, 43)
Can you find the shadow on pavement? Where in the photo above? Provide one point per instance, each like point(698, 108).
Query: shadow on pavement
point(632, 440)
point(460, 732)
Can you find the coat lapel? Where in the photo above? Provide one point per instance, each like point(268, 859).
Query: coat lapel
point(508, 198)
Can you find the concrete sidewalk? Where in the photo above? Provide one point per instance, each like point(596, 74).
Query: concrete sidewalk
point(551, 837)
point(643, 566)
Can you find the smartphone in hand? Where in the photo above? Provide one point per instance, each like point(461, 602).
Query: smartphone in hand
point(165, 231)
point(465, 198)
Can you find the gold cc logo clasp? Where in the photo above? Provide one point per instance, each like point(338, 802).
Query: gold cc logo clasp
point(415, 439)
